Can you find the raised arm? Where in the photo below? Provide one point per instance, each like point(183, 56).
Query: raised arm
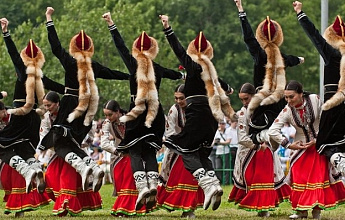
point(13, 51)
point(324, 49)
point(251, 42)
point(127, 58)
point(178, 49)
point(53, 38)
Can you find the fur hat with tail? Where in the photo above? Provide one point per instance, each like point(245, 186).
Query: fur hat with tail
point(201, 52)
point(81, 48)
point(144, 50)
point(33, 59)
point(270, 36)
point(335, 36)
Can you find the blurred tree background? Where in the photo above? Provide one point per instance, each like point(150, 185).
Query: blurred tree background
point(217, 19)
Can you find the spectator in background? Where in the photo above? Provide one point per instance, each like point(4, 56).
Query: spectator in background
point(222, 141)
point(284, 154)
point(233, 144)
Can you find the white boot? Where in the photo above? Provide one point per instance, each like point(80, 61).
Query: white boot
point(142, 187)
point(81, 167)
point(206, 183)
point(25, 170)
point(338, 161)
point(152, 180)
point(40, 182)
point(97, 173)
point(217, 198)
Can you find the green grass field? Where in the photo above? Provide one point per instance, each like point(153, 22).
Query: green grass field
point(225, 211)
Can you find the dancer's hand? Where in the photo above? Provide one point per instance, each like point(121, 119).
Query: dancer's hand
point(297, 6)
point(49, 12)
point(165, 21)
point(4, 24)
point(107, 18)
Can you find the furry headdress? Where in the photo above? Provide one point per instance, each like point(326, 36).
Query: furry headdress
point(33, 59)
point(335, 36)
point(270, 36)
point(144, 50)
point(81, 48)
point(201, 52)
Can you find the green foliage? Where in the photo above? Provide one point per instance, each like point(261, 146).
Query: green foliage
point(217, 19)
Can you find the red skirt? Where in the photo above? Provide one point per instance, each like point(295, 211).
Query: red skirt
point(311, 184)
point(64, 187)
point(181, 192)
point(126, 190)
point(261, 194)
point(16, 198)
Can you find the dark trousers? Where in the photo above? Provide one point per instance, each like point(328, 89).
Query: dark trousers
point(141, 153)
point(198, 159)
point(25, 150)
point(64, 146)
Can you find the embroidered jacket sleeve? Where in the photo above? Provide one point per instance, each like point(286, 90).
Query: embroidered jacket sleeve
point(15, 57)
point(274, 131)
point(63, 56)
point(171, 122)
point(187, 62)
point(45, 125)
point(242, 132)
point(106, 143)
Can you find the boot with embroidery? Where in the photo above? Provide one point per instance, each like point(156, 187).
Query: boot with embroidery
point(142, 187)
point(338, 161)
point(97, 173)
point(206, 183)
point(81, 167)
point(217, 198)
point(24, 169)
point(152, 180)
point(40, 182)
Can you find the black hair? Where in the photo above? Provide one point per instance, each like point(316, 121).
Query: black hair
point(52, 97)
point(112, 105)
point(247, 88)
point(180, 88)
point(295, 86)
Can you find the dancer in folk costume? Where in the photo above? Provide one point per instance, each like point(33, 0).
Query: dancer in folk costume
point(309, 176)
point(63, 182)
point(206, 103)
point(145, 120)
point(18, 140)
point(20, 172)
point(270, 63)
point(260, 187)
point(79, 104)
point(17, 200)
point(330, 141)
point(113, 132)
point(179, 189)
